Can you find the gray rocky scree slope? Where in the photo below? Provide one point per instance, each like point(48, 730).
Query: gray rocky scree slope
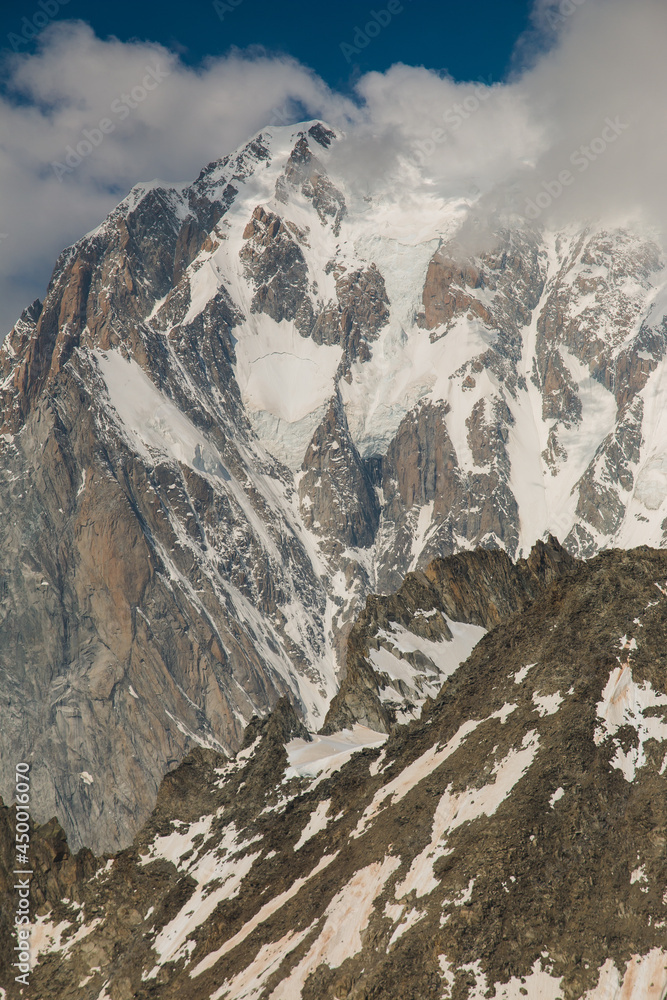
point(508, 843)
point(247, 402)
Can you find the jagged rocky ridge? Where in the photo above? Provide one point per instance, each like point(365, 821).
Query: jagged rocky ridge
point(510, 842)
point(461, 596)
point(246, 403)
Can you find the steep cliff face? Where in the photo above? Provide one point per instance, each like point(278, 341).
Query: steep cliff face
point(508, 843)
point(154, 559)
point(248, 402)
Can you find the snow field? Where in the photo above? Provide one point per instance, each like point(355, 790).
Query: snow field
point(625, 703)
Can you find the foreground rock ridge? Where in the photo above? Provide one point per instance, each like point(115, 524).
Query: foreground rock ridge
point(248, 402)
point(479, 589)
point(510, 842)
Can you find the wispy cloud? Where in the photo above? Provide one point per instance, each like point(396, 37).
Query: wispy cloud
point(56, 98)
point(583, 62)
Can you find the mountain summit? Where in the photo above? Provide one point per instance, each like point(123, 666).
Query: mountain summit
point(248, 402)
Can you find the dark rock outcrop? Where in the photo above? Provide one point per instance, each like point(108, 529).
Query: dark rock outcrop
point(480, 588)
point(511, 840)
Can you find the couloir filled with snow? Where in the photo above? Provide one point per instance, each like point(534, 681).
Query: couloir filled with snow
point(594, 474)
point(287, 380)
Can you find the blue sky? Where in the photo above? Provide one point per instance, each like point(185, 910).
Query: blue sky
point(60, 69)
point(543, 77)
point(467, 41)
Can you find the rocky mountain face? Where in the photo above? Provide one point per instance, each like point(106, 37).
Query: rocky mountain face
point(510, 842)
point(395, 649)
point(248, 402)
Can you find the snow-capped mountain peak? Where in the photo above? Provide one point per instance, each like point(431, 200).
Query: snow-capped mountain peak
point(256, 398)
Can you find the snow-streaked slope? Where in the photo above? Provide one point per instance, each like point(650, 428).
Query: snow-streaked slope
point(607, 285)
point(413, 678)
point(287, 380)
point(292, 394)
point(325, 754)
point(442, 862)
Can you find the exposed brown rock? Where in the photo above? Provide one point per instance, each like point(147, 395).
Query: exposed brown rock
point(306, 173)
point(446, 293)
point(337, 498)
point(481, 588)
point(564, 866)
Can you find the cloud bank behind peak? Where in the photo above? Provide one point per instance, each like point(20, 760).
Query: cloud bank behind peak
point(578, 131)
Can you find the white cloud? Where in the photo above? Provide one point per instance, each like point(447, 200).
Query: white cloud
point(585, 61)
point(73, 81)
point(608, 64)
